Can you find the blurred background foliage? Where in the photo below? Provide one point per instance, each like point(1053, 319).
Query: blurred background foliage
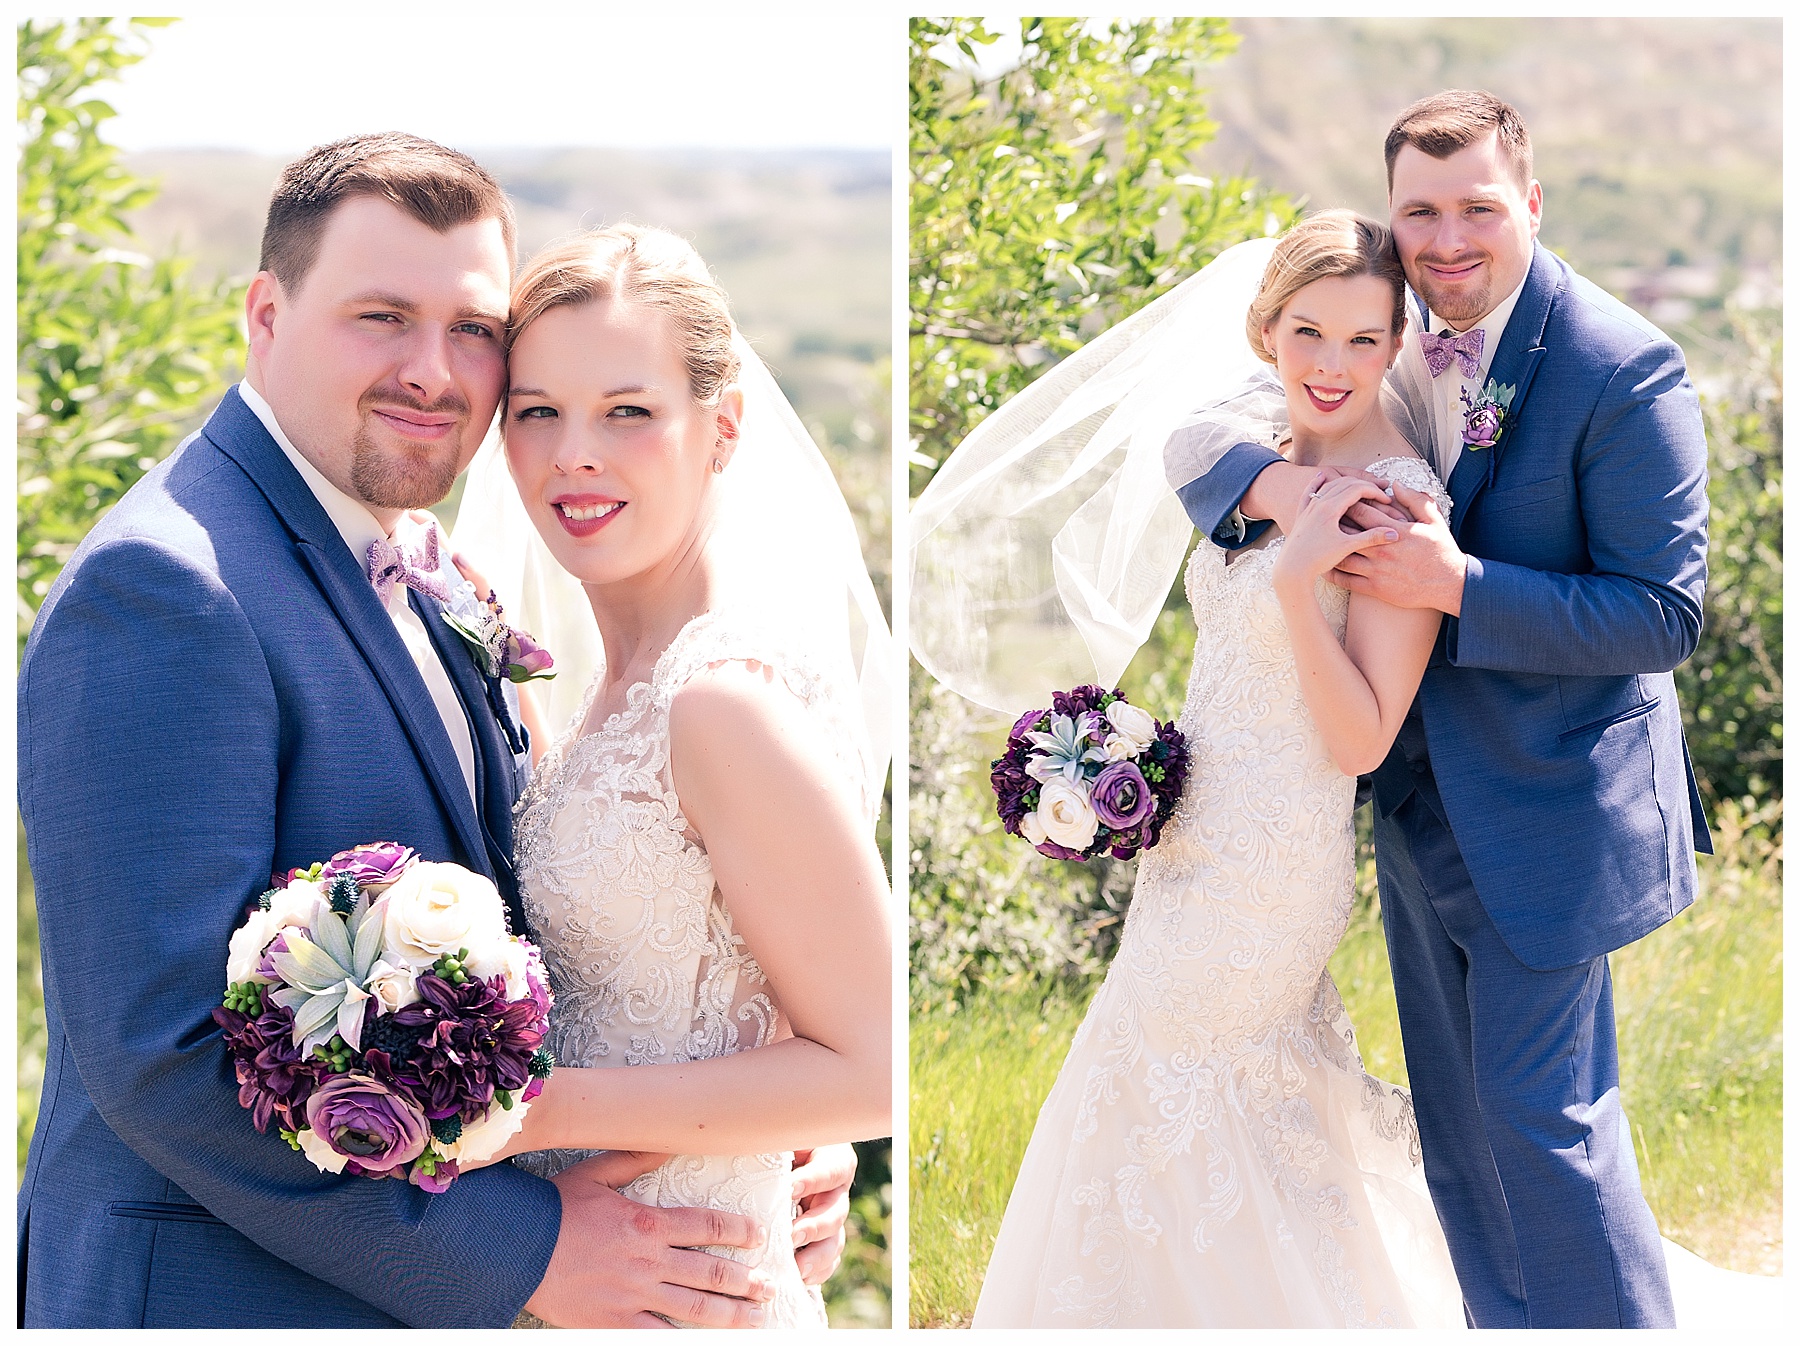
point(117, 350)
point(131, 274)
point(1053, 199)
point(1040, 148)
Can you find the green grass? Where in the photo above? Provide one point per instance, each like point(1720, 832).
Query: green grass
point(979, 1075)
point(1699, 1018)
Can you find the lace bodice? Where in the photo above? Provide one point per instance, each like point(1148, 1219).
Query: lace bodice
point(639, 945)
point(1215, 1083)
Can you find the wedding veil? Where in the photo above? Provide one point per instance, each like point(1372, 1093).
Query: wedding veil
point(1045, 546)
point(791, 556)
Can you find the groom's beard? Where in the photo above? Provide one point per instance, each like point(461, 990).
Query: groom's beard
point(1467, 305)
point(409, 474)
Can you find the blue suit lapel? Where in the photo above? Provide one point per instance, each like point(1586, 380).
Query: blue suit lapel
point(493, 756)
point(237, 432)
point(1515, 364)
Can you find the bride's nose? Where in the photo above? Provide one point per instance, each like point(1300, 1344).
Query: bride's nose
point(578, 453)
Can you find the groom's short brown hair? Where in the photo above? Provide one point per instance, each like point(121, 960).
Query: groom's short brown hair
point(438, 186)
point(1455, 119)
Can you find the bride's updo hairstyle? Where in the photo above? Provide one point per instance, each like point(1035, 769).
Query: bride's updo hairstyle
point(1330, 243)
point(644, 266)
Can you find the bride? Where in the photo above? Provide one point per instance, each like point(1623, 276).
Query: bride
point(695, 854)
point(1213, 1153)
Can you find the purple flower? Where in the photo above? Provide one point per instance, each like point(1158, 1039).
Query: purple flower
point(473, 1041)
point(378, 1128)
point(525, 658)
point(274, 1079)
point(1481, 427)
point(1055, 852)
point(434, 1182)
point(371, 866)
point(1483, 416)
point(1122, 797)
point(265, 968)
point(1025, 724)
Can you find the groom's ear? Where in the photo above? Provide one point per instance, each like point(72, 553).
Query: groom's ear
point(728, 418)
point(262, 304)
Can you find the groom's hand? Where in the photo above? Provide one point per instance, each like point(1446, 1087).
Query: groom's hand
point(822, 1179)
point(618, 1263)
point(1424, 569)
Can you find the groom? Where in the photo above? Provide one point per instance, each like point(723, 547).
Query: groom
point(215, 691)
point(1538, 809)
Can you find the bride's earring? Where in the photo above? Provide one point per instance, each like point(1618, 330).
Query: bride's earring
point(718, 467)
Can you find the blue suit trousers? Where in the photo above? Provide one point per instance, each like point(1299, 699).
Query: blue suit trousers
point(1515, 1076)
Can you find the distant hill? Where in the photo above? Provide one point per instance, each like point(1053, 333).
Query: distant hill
point(1658, 141)
point(800, 240)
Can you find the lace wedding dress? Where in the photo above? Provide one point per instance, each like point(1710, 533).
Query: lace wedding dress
point(1213, 1153)
point(637, 941)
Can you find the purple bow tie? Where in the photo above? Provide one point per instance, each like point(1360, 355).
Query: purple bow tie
point(416, 568)
point(1465, 347)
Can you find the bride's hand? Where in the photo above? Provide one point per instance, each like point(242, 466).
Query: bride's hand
point(1317, 541)
point(483, 590)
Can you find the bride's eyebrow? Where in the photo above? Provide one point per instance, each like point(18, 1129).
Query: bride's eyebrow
point(526, 392)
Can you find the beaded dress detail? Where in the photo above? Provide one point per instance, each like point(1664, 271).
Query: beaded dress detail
point(1213, 1153)
point(639, 946)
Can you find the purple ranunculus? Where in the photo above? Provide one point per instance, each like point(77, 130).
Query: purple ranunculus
point(1121, 797)
point(359, 1116)
point(370, 866)
point(525, 658)
point(265, 967)
point(1481, 426)
point(1055, 852)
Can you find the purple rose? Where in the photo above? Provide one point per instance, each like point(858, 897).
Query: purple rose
point(525, 658)
point(370, 867)
point(1121, 797)
point(374, 1127)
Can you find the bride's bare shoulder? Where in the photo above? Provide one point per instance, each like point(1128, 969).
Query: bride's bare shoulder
point(735, 721)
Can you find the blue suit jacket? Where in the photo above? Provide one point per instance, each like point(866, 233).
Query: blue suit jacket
point(212, 693)
point(1548, 709)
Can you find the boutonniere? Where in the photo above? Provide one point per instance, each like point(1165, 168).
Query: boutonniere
point(1483, 416)
point(499, 650)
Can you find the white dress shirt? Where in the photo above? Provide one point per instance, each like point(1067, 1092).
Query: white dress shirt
point(359, 529)
point(1443, 410)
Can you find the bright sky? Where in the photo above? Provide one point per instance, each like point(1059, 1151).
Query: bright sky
point(280, 79)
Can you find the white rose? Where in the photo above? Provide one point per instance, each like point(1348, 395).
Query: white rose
point(247, 944)
point(1066, 816)
point(298, 904)
point(318, 1149)
point(1032, 829)
point(392, 986)
point(1135, 724)
point(506, 959)
point(435, 909)
point(486, 1138)
point(1121, 748)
